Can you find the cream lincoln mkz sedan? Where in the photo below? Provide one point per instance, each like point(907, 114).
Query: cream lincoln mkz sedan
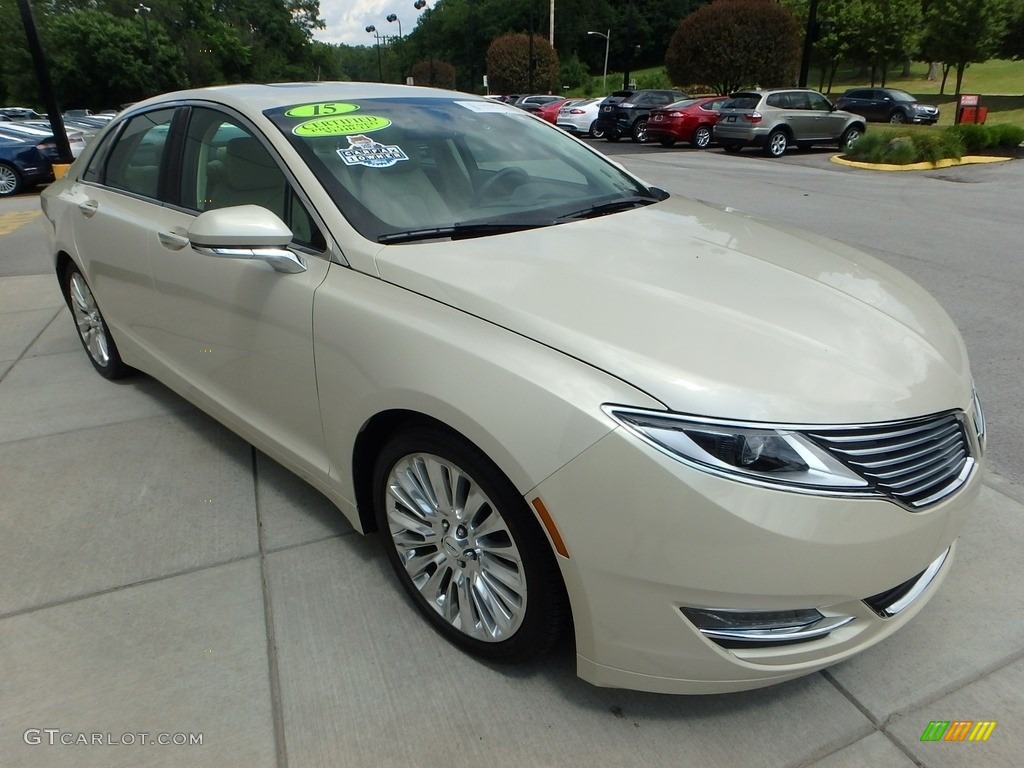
point(726, 453)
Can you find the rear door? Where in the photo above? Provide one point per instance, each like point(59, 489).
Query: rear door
point(114, 203)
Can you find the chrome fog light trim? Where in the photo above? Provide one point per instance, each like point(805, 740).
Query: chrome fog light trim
point(762, 628)
point(906, 593)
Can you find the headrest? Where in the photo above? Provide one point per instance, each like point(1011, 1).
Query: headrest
point(247, 165)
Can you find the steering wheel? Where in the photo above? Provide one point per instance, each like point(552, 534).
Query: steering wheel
point(501, 184)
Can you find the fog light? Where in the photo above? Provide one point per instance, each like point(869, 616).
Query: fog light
point(746, 629)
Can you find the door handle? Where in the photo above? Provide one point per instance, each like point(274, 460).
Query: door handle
point(173, 241)
point(89, 207)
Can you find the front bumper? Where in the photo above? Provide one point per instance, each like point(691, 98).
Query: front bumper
point(648, 536)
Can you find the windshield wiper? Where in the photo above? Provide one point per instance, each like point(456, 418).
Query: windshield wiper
point(459, 231)
point(613, 206)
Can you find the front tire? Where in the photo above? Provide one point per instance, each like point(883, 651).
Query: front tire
point(92, 328)
point(10, 180)
point(613, 137)
point(668, 143)
point(849, 137)
point(897, 117)
point(466, 547)
point(702, 137)
point(776, 144)
point(732, 149)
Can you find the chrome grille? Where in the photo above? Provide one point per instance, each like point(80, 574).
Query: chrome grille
point(916, 462)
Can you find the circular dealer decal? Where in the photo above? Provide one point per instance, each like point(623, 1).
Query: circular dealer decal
point(321, 110)
point(341, 126)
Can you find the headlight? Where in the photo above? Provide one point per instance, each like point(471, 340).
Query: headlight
point(768, 454)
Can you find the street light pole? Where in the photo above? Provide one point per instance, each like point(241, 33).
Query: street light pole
point(380, 68)
point(607, 42)
point(393, 17)
point(144, 10)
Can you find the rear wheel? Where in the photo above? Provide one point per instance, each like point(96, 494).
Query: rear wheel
point(92, 328)
point(466, 547)
point(640, 132)
point(595, 132)
point(10, 180)
point(732, 148)
point(777, 143)
point(701, 137)
point(612, 137)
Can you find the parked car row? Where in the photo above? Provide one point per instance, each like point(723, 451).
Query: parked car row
point(773, 120)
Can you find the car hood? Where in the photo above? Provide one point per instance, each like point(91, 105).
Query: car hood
point(709, 311)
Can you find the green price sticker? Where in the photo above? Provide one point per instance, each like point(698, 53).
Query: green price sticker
point(321, 110)
point(344, 125)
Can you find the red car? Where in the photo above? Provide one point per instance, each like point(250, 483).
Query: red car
point(549, 111)
point(690, 120)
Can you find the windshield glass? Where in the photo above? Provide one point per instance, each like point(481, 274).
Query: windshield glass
point(398, 167)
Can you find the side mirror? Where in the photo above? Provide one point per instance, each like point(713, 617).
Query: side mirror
point(245, 232)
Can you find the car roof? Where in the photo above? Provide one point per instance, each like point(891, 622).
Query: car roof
point(259, 97)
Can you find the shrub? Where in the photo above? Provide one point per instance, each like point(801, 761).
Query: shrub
point(974, 137)
point(932, 146)
point(1006, 135)
point(870, 148)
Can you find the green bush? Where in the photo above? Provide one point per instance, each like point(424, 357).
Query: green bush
point(870, 148)
point(930, 146)
point(1006, 135)
point(974, 137)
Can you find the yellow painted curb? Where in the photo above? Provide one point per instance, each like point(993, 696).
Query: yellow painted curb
point(948, 163)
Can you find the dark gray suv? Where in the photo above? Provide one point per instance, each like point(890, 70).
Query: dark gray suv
point(777, 119)
point(625, 113)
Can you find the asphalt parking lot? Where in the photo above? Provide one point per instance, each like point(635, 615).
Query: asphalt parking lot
point(161, 577)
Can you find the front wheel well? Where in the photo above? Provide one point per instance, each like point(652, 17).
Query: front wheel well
point(61, 268)
point(371, 439)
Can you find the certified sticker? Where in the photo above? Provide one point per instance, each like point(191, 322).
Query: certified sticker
point(363, 150)
point(341, 126)
point(321, 110)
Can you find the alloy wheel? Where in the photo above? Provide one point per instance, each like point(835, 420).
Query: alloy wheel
point(90, 324)
point(702, 137)
point(456, 547)
point(9, 180)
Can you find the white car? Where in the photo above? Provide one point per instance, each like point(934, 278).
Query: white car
point(725, 452)
point(579, 118)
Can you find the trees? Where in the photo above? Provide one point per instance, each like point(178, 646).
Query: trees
point(434, 72)
point(959, 32)
point(731, 44)
point(888, 32)
point(102, 53)
point(509, 66)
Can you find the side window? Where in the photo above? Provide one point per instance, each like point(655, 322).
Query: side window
point(134, 160)
point(780, 100)
point(819, 102)
point(97, 163)
point(225, 165)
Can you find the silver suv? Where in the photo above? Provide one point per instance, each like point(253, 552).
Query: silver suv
point(779, 118)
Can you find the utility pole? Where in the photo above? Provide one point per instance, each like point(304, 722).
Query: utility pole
point(60, 136)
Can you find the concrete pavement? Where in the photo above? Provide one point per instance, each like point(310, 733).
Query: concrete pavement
point(158, 576)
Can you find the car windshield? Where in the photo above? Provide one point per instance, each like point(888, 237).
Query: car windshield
point(414, 168)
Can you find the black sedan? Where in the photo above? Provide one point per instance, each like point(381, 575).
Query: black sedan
point(887, 105)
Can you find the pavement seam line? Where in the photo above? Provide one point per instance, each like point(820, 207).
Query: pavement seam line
point(119, 587)
point(28, 346)
point(298, 544)
point(880, 727)
point(274, 671)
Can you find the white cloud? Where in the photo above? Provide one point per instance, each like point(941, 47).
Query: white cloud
point(347, 19)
